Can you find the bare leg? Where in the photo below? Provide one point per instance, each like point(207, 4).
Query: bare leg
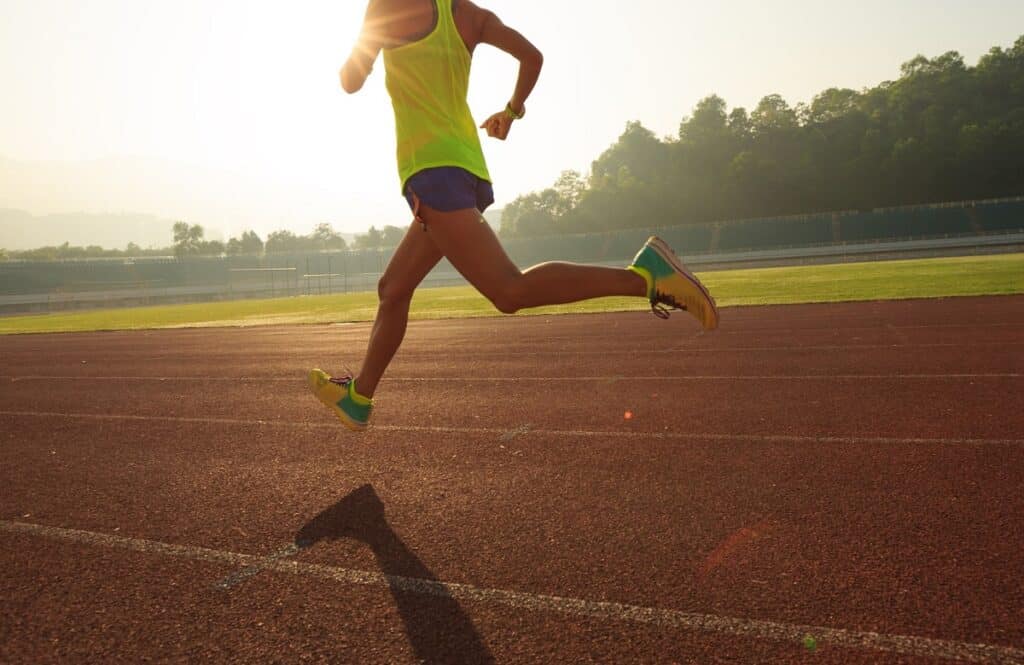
point(557, 282)
point(415, 257)
point(474, 250)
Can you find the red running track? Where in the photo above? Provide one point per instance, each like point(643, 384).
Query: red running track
point(850, 472)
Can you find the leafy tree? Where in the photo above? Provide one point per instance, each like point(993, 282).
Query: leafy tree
point(532, 215)
point(325, 237)
point(773, 114)
point(740, 128)
point(372, 239)
point(211, 248)
point(282, 241)
point(568, 191)
point(391, 236)
point(248, 243)
point(187, 239)
point(639, 150)
point(708, 124)
point(832, 105)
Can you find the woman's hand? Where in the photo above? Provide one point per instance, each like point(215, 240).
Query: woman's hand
point(498, 125)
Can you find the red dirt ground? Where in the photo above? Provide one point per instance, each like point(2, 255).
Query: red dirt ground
point(851, 466)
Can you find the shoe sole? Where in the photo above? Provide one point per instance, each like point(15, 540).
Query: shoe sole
point(334, 408)
point(665, 252)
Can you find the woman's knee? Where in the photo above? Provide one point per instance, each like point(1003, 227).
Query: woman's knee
point(510, 296)
point(392, 291)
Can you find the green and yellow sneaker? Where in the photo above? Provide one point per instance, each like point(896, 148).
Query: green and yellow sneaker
point(671, 286)
point(340, 396)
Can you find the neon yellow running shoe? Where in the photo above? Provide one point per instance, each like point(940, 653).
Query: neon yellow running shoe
point(671, 286)
point(339, 395)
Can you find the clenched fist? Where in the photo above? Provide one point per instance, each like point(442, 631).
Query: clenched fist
point(498, 125)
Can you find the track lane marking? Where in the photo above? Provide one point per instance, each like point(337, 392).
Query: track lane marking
point(880, 326)
point(721, 349)
point(518, 379)
point(910, 645)
point(239, 576)
point(491, 431)
point(412, 347)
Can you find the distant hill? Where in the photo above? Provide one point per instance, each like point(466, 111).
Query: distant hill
point(22, 230)
point(222, 201)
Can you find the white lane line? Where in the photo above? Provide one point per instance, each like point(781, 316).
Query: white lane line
point(739, 325)
point(526, 377)
point(476, 354)
point(910, 645)
point(412, 348)
point(880, 326)
point(492, 431)
point(289, 550)
point(513, 433)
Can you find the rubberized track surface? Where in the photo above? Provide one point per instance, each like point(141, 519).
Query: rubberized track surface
point(851, 472)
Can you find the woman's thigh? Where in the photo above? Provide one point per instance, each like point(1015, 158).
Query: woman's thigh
point(469, 243)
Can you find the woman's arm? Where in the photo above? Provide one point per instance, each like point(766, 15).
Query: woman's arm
point(492, 31)
point(360, 62)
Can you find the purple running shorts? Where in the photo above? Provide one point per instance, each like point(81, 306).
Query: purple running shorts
point(448, 188)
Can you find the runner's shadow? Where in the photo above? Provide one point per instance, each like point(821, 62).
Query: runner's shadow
point(438, 629)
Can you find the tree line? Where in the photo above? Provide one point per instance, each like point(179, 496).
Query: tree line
point(942, 131)
point(190, 241)
point(68, 251)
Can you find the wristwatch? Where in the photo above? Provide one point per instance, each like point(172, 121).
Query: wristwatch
point(512, 114)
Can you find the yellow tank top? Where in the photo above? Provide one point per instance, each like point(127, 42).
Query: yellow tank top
point(428, 81)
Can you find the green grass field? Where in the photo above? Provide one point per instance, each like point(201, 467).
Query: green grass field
point(925, 278)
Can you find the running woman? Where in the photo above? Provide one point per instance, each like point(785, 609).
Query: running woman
point(428, 46)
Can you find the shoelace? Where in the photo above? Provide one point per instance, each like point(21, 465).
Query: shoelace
point(343, 380)
point(659, 301)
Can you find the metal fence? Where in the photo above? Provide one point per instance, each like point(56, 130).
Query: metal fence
point(46, 286)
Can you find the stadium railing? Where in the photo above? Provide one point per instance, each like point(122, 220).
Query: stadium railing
point(158, 279)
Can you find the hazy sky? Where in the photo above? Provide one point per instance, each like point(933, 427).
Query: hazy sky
point(232, 91)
